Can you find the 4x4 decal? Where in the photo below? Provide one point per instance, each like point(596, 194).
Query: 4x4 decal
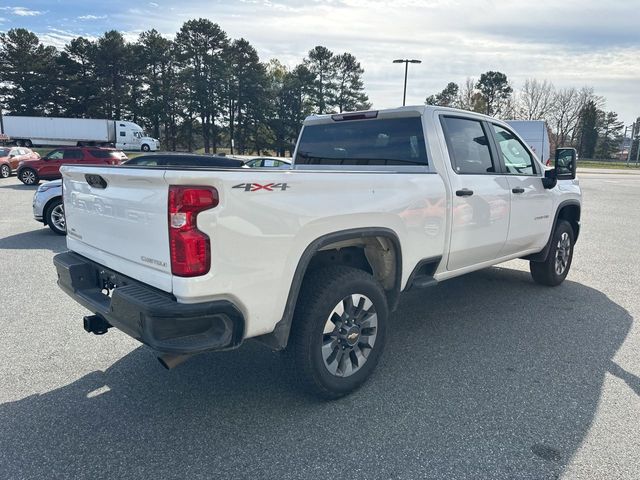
point(254, 187)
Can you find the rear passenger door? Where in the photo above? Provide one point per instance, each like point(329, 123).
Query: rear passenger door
point(481, 195)
point(531, 203)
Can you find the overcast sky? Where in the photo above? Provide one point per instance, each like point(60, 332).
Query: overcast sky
point(569, 42)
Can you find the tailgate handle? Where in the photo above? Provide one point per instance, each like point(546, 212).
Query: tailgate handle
point(95, 181)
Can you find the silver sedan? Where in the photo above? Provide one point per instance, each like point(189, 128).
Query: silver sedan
point(48, 208)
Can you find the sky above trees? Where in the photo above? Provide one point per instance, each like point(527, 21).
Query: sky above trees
point(571, 43)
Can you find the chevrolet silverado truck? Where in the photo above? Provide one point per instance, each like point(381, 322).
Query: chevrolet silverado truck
point(312, 260)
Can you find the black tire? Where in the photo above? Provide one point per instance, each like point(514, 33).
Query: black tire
point(52, 217)
point(145, 147)
point(5, 171)
point(28, 143)
point(555, 268)
point(322, 292)
point(28, 176)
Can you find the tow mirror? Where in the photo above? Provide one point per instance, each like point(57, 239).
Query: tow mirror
point(566, 161)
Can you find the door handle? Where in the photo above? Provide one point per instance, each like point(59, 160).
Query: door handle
point(465, 192)
point(517, 190)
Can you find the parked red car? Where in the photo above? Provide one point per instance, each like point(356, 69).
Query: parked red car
point(30, 172)
point(10, 157)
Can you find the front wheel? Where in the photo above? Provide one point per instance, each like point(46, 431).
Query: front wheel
point(145, 148)
point(555, 268)
point(5, 171)
point(338, 331)
point(28, 176)
point(55, 217)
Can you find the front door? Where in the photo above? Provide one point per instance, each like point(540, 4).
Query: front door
point(51, 164)
point(531, 203)
point(481, 196)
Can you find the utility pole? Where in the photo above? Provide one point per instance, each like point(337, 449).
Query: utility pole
point(633, 130)
point(406, 70)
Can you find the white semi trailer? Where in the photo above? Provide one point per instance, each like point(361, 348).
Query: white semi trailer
point(534, 132)
point(55, 131)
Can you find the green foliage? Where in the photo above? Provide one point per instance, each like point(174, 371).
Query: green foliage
point(28, 73)
point(588, 130)
point(199, 90)
point(448, 97)
point(495, 90)
point(609, 135)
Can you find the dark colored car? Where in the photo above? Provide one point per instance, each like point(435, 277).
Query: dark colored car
point(10, 158)
point(184, 160)
point(30, 172)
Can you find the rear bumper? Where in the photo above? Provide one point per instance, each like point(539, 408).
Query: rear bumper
point(149, 315)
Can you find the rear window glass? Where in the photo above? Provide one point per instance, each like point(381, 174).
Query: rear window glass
point(393, 141)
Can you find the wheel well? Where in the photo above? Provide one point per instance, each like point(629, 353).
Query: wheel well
point(571, 213)
point(375, 255)
point(373, 250)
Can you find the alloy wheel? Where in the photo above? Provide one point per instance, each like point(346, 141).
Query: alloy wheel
point(28, 177)
point(349, 335)
point(57, 217)
point(563, 253)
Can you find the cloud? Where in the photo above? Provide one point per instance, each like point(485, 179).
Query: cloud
point(571, 43)
point(22, 11)
point(92, 17)
point(153, 4)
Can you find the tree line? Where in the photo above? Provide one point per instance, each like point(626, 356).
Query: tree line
point(201, 89)
point(575, 117)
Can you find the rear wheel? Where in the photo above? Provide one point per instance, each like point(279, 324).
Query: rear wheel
point(338, 332)
point(5, 171)
point(54, 217)
point(555, 268)
point(28, 176)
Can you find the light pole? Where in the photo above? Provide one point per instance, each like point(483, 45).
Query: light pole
point(406, 69)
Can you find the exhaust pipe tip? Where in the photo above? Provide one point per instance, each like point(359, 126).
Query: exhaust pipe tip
point(171, 361)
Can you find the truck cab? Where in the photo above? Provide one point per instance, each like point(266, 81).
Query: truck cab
point(131, 136)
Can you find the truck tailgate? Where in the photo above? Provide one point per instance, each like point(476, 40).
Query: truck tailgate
point(118, 217)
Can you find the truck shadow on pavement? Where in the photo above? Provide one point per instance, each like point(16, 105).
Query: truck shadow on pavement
point(19, 186)
point(41, 239)
point(484, 376)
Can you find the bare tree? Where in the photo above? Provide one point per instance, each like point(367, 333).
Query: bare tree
point(565, 114)
point(469, 98)
point(536, 99)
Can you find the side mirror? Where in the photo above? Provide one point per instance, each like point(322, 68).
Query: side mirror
point(550, 179)
point(12, 155)
point(566, 161)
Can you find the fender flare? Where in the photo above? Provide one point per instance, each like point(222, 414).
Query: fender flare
point(278, 339)
point(542, 255)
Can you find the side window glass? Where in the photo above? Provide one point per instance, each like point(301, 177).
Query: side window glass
point(55, 155)
point(123, 134)
point(517, 159)
point(72, 154)
point(468, 146)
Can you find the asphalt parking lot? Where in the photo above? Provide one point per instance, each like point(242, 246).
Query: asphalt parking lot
point(484, 376)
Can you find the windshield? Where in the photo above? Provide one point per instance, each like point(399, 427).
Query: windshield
point(392, 141)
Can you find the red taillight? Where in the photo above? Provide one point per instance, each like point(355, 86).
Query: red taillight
point(190, 248)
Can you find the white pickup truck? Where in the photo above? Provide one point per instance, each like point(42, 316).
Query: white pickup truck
point(313, 259)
